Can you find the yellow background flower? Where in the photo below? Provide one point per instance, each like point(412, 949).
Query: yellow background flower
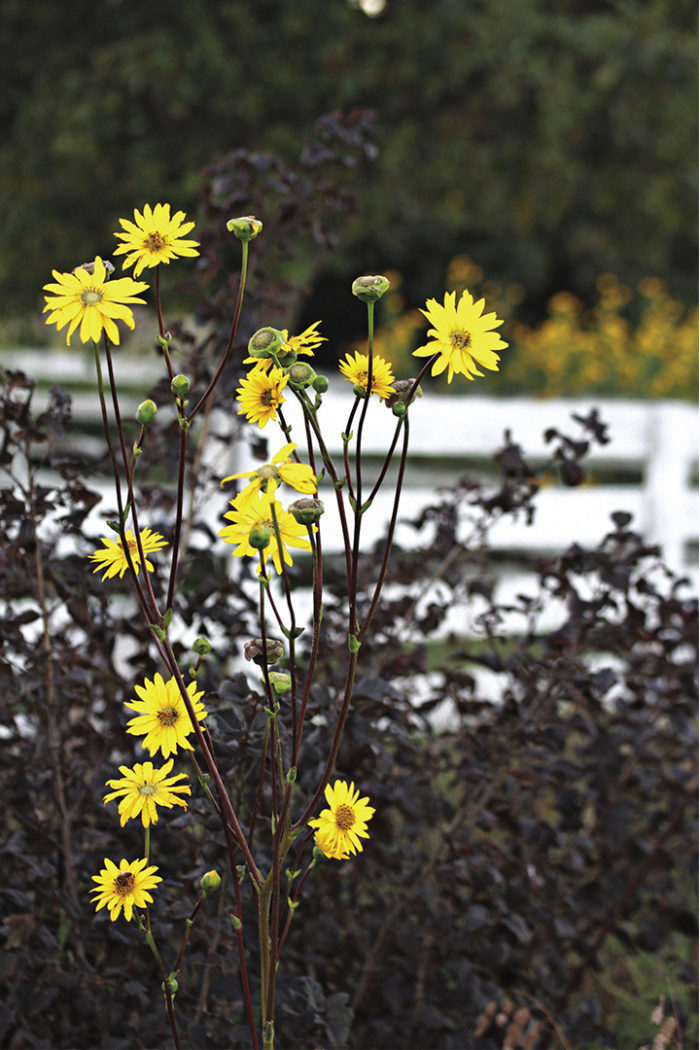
point(340, 828)
point(112, 557)
point(154, 237)
point(143, 788)
point(124, 887)
point(86, 298)
point(162, 718)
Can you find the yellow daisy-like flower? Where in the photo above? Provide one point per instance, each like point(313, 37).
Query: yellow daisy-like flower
point(154, 237)
point(162, 715)
point(305, 343)
point(340, 828)
point(86, 298)
point(124, 887)
point(266, 479)
point(356, 370)
point(112, 557)
point(256, 515)
point(143, 788)
point(260, 395)
point(462, 335)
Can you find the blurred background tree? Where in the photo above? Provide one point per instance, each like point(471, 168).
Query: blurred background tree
point(549, 142)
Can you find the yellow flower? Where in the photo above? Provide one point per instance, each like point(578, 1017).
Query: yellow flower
point(162, 715)
point(305, 343)
point(356, 370)
point(340, 828)
point(266, 479)
point(154, 238)
point(112, 557)
point(143, 788)
point(260, 395)
point(86, 298)
point(462, 336)
point(124, 887)
point(258, 515)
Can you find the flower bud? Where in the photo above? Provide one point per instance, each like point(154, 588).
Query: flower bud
point(301, 375)
point(265, 342)
point(201, 646)
point(246, 227)
point(280, 682)
point(259, 537)
point(180, 385)
point(306, 510)
point(369, 289)
point(146, 412)
point(401, 388)
point(399, 409)
point(255, 648)
point(210, 882)
point(320, 384)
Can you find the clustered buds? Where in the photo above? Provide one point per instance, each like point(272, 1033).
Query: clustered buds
point(261, 653)
point(246, 227)
point(369, 289)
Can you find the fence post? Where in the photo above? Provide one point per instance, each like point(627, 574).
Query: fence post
point(666, 482)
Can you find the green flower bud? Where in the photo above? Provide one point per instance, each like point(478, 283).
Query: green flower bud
point(259, 537)
point(359, 391)
point(306, 510)
point(146, 412)
point(280, 682)
point(246, 227)
point(201, 646)
point(369, 289)
point(255, 648)
point(235, 922)
point(210, 882)
point(320, 384)
point(265, 342)
point(292, 779)
point(180, 385)
point(401, 389)
point(399, 409)
point(301, 375)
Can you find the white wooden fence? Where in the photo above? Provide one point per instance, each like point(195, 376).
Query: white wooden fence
point(655, 443)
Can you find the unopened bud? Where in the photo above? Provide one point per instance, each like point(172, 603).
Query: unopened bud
point(399, 409)
point(400, 391)
point(201, 646)
point(146, 412)
point(369, 289)
point(320, 384)
point(257, 651)
point(246, 227)
point(280, 682)
point(259, 537)
point(180, 385)
point(301, 375)
point(210, 882)
point(265, 342)
point(306, 510)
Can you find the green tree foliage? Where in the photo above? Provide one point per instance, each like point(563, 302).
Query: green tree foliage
point(549, 141)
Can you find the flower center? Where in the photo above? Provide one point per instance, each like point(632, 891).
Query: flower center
point(148, 789)
point(154, 242)
point(133, 548)
point(90, 297)
point(124, 883)
point(268, 398)
point(168, 716)
point(344, 817)
point(460, 339)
